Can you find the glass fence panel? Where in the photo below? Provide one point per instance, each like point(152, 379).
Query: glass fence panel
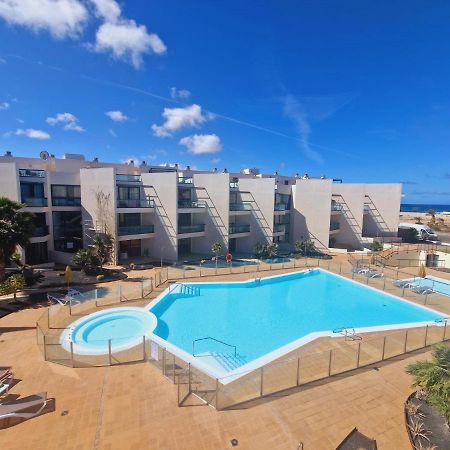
point(246, 388)
point(155, 353)
point(314, 366)
point(280, 376)
point(54, 352)
point(100, 359)
point(434, 335)
point(416, 339)
point(203, 386)
point(344, 359)
point(395, 344)
point(371, 351)
point(132, 354)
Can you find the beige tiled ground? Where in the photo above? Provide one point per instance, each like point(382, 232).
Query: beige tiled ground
point(134, 407)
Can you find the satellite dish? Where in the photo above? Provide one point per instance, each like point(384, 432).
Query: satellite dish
point(44, 155)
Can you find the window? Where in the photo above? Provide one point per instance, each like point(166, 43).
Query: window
point(129, 220)
point(60, 190)
point(31, 190)
point(67, 231)
point(129, 193)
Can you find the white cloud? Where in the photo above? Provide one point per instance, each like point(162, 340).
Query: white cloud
point(200, 144)
point(68, 119)
point(177, 118)
point(32, 133)
point(4, 106)
point(181, 94)
point(123, 38)
point(117, 116)
point(61, 18)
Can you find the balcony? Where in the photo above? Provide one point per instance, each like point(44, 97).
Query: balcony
point(282, 207)
point(197, 228)
point(40, 231)
point(66, 201)
point(35, 201)
point(334, 227)
point(239, 228)
point(234, 185)
point(31, 173)
point(279, 228)
point(125, 178)
point(186, 204)
point(185, 180)
point(336, 207)
point(135, 229)
point(241, 207)
point(136, 203)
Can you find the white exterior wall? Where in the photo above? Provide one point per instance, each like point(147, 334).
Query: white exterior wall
point(260, 192)
point(310, 216)
point(9, 181)
point(162, 188)
point(214, 189)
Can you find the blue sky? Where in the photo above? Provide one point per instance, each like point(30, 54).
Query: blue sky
point(352, 89)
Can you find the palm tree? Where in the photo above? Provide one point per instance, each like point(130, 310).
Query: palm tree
point(103, 247)
point(216, 249)
point(434, 377)
point(259, 249)
point(16, 228)
point(271, 250)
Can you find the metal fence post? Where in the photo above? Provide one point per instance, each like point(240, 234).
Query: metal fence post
point(403, 291)
point(406, 341)
point(384, 281)
point(48, 316)
point(358, 355)
point(109, 351)
point(329, 363)
point(120, 292)
point(71, 353)
point(45, 350)
point(384, 348)
point(298, 371)
point(164, 361)
point(217, 389)
point(261, 386)
point(426, 335)
point(426, 298)
point(143, 349)
point(445, 329)
point(142, 289)
point(173, 369)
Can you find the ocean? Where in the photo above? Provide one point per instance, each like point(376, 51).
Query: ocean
point(414, 207)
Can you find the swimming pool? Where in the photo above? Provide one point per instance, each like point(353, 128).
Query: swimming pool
point(437, 284)
point(232, 325)
point(125, 327)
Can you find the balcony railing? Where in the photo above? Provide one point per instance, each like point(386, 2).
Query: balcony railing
point(128, 178)
point(31, 173)
point(336, 207)
point(136, 229)
point(279, 228)
point(197, 228)
point(35, 201)
point(240, 207)
point(239, 228)
point(234, 185)
point(41, 231)
point(335, 226)
point(136, 203)
point(191, 204)
point(185, 180)
point(66, 201)
point(282, 207)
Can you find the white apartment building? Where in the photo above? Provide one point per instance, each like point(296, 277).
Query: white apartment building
point(163, 213)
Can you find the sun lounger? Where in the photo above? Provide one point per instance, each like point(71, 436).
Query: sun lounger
point(360, 269)
point(24, 408)
point(423, 290)
point(63, 299)
point(373, 274)
point(404, 283)
point(6, 384)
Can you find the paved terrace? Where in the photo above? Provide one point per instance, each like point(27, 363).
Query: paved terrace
point(134, 406)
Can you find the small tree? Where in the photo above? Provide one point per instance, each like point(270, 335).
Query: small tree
point(86, 260)
point(216, 248)
point(376, 246)
point(16, 228)
point(103, 247)
point(271, 250)
point(432, 214)
point(434, 377)
point(306, 246)
point(12, 285)
point(259, 249)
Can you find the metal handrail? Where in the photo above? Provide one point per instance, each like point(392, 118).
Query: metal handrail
point(213, 339)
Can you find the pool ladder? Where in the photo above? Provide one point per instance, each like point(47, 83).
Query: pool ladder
point(185, 289)
point(348, 332)
point(213, 339)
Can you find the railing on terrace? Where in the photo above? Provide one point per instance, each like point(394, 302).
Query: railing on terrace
point(191, 204)
point(136, 229)
point(336, 207)
point(239, 228)
point(279, 228)
point(66, 201)
point(185, 180)
point(281, 207)
point(234, 185)
point(31, 173)
point(41, 231)
point(197, 228)
point(136, 203)
point(35, 201)
point(123, 177)
point(298, 368)
point(241, 206)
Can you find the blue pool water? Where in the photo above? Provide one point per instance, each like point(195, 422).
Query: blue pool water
point(438, 284)
point(260, 316)
point(123, 326)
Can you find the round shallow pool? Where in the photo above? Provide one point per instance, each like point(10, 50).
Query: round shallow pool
point(125, 327)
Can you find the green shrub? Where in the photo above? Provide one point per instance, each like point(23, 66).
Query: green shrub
point(376, 246)
point(12, 285)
